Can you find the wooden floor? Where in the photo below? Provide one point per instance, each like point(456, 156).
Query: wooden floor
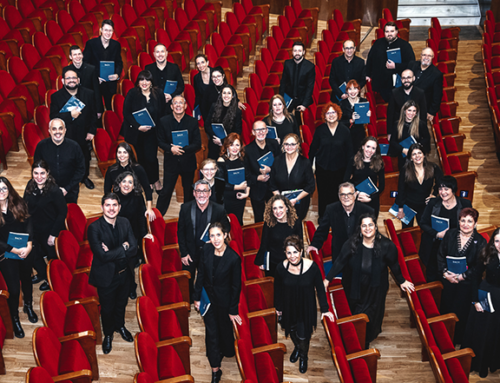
point(399, 345)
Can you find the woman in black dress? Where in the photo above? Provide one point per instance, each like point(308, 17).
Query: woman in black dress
point(363, 260)
point(225, 111)
point(279, 117)
point(292, 171)
point(418, 182)
point(295, 283)
point(125, 162)
point(16, 272)
point(201, 81)
point(482, 333)
point(209, 171)
point(219, 274)
point(47, 209)
point(143, 137)
point(368, 162)
point(232, 156)
point(280, 222)
point(466, 243)
point(349, 116)
point(409, 124)
point(332, 149)
point(448, 206)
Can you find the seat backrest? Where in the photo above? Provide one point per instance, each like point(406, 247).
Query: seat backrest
point(31, 136)
point(112, 124)
point(143, 377)
point(67, 249)
point(147, 354)
point(38, 375)
point(148, 317)
point(60, 278)
point(53, 312)
point(42, 119)
point(47, 349)
point(153, 253)
point(76, 222)
point(170, 236)
point(103, 145)
point(157, 227)
point(150, 284)
point(246, 360)
point(343, 368)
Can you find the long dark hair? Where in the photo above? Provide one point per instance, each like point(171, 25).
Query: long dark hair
point(489, 251)
point(413, 124)
point(376, 163)
point(32, 187)
point(131, 156)
point(230, 116)
point(145, 75)
point(137, 185)
point(411, 174)
point(218, 225)
point(15, 203)
point(357, 238)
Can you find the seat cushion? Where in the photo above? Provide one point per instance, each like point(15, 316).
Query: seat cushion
point(77, 320)
point(260, 332)
point(345, 369)
point(72, 358)
point(360, 370)
point(350, 338)
point(407, 244)
point(266, 372)
point(442, 337)
point(456, 371)
point(428, 303)
point(416, 273)
point(169, 363)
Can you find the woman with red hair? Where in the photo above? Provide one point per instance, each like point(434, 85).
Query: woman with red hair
point(349, 116)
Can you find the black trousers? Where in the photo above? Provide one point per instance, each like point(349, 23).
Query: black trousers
point(146, 148)
point(108, 90)
point(258, 208)
point(386, 93)
point(234, 205)
point(72, 195)
point(328, 187)
point(170, 175)
point(40, 250)
point(15, 271)
point(192, 268)
point(419, 209)
point(84, 145)
point(114, 299)
point(219, 338)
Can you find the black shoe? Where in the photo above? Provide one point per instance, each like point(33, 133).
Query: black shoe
point(44, 286)
point(216, 376)
point(28, 309)
point(294, 356)
point(303, 365)
point(126, 335)
point(133, 295)
point(16, 324)
point(106, 344)
point(88, 183)
point(36, 279)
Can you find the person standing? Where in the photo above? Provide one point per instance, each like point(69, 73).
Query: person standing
point(202, 81)
point(279, 117)
point(113, 245)
point(65, 159)
point(177, 160)
point(81, 124)
point(349, 116)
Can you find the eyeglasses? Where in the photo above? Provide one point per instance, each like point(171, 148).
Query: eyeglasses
point(261, 130)
point(4, 190)
point(330, 113)
point(406, 78)
point(290, 144)
point(178, 103)
point(199, 191)
point(346, 195)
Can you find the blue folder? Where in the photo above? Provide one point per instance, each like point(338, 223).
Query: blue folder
point(485, 300)
point(394, 55)
point(406, 143)
point(170, 87)
point(409, 213)
point(204, 302)
point(439, 224)
point(236, 176)
point(271, 132)
point(384, 149)
point(342, 88)
point(106, 69)
point(291, 194)
point(180, 138)
point(457, 265)
point(197, 112)
point(16, 240)
point(219, 131)
point(71, 104)
point(143, 118)
point(367, 186)
point(288, 100)
point(205, 237)
point(267, 159)
point(362, 109)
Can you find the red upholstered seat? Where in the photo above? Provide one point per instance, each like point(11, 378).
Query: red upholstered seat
point(344, 370)
point(340, 303)
point(77, 258)
point(159, 325)
point(67, 286)
point(164, 261)
point(162, 291)
point(408, 245)
point(441, 364)
point(77, 222)
point(40, 375)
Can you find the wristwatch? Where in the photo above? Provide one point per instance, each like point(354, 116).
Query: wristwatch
point(126, 246)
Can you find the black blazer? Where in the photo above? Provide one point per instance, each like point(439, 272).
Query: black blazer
point(235, 127)
point(199, 90)
point(89, 79)
point(186, 230)
point(86, 122)
point(103, 262)
point(305, 89)
point(187, 161)
point(301, 176)
point(223, 287)
point(334, 218)
point(431, 82)
point(171, 72)
point(94, 53)
point(343, 71)
point(396, 105)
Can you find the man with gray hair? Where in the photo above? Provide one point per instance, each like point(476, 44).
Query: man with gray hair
point(342, 217)
point(194, 219)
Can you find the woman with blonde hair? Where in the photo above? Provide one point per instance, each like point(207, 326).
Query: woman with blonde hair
point(210, 172)
point(279, 117)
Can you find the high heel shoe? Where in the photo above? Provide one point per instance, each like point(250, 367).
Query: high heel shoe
point(16, 324)
point(28, 309)
point(216, 376)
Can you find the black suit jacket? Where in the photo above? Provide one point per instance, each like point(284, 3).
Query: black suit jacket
point(94, 53)
point(398, 100)
point(86, 122)
point(307, 77)
point(339, 74)
point(223, 287)
point(103, 262)
point(186, 230)
point(334, 219)
point(431, 82)
point(171, 72)
point(89, 79)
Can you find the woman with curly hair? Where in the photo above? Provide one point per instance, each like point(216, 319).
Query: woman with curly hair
point(279, 117)
point(224, 111)
point(231, 160)
point(280, 222)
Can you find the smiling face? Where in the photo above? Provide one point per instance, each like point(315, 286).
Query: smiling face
point(217, 238)
point(368, 228)
point(161, 54)
point(417, 156)
point(291, 146)
point(127, 185)
point(218, 78)
point(178, 106)
point(410, 113)
point(57, 132)
point(227, 96)
point(208, 172)
point(202, 194)
point(259, 131)
point(347, 197)
point(467, 225)
point(76, 56)
point(349, 50)
point(298, 52)
point(145, 84)
point(107, 32)
point(293, 255)
point(201, 64)
point(122, 156)
point(331, 116)
point(445, 193)
point(235, 148)
point(279, 210)
point(426, 57)
point(369, 149)
point(40, 176)
point(70, 80)
point(278, 107)
point(407, 79)
point(497, 242)
point(390, 33)
point(4, 192)
point(110, 209)
point(352, 92)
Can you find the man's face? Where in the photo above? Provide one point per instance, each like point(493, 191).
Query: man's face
point(426, 57)
point(107, 31)
point(407, 78)
point(71, 80)
point(349, 50)
point(178, 106)
point(57, 132)
point(76, 56)
point(298, 52)
point(390, 33)
point(347, 197)
point(110, 208)
point(160, 54)
point(202, 194)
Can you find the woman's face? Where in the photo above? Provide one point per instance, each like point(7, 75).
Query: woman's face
point(127, 185)
point(445, 193)
point(368, 228)
point(234, 148)
point(353, 92)
point(410, 113)
point(227, 95)
point(279, 210)
point(293, 255)
point(331, 115)
point(201, 64)
point(209, 171)
point(369, 149)
point(145, 84)
point(217, 238)
point(497, 242)
point(40, 176)
point(290, 145)
point(122, 156)
point(467, 224)
point(277, 107)
point(218, 78)
point(4, 191)
point(417, 156)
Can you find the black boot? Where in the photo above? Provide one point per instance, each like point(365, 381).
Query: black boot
point(303, 351)
point(294, 356)
point(16, 324)
point(216, 376)
point(28, 309)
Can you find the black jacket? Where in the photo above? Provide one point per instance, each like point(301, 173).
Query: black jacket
point(90, 80)
point(94, 53)
point(431, 82)
point(171, 72)
point(331, 152)
point(344, 71)
point(305, 88)
point(398, 99)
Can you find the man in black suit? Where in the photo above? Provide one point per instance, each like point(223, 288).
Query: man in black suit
point(298, 79)
point(81, 124)
point(113, 245)
point(345, 68)
point(342, 217)
point(402, 94)
point(164, 71)
point(177, 160)
point(104, 48)
point(430, 80)
point(379, 68)
point(194, 218)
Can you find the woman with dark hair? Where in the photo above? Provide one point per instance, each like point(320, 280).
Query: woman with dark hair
point(482, 332)
point(419, 181)
point(297, 283)
point(363, 260)
point(279, 117)
point(331, 149)
point(47, 209)
point(368, 163)
point(125, 162)
point(463, 244)
point(143, 137)
point(209, 171)
point(212, 91)
point(349, 116)
point(224, 111)
point(280, 222)
point(201, 82)
point(16, 272)
point(409, 124)
point(447, 206)
point(231, 159)
point(291, 171)
point(219, 274)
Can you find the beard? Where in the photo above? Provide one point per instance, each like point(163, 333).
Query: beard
point(407, 85)
point(71, 87)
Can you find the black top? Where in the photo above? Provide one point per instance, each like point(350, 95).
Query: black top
point(398, 99)
point(66, 162)
point(492, 276)
point(234, 127)
point(423, 137)
point(300, 177)
point(297, 81)
point(14, 226)
point(284, 127)
point(273, 239)
point(226, 165)
point(47, 210)
point(90, 80)
point(133, 208)
point(95, 52)
point(356, 176)
point(344, 71)
point(332, 152)
point(415, 193)
point(348, 110)
point(171, 72)
point(200, 88)
point(431, 82)
point(113, 172)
